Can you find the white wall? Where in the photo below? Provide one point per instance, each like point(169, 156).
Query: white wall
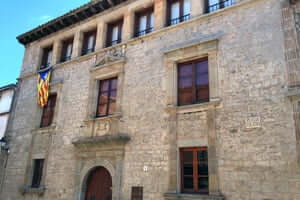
point(3, 124)
point(5, 100)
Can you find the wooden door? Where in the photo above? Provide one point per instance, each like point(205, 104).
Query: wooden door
point(99, 185)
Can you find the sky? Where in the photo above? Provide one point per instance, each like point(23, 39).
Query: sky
point(20, 16)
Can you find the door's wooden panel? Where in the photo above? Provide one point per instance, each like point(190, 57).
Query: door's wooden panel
point(99, 185)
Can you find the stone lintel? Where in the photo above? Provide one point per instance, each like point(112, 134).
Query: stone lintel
point(212, 38)
point(179, 196)
point(107, 140)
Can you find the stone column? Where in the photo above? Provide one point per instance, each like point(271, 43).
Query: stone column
point(171, 119)
point(197, 8)
point(213, 74)
point(128, 26)
point(57, 46)
point(160, 8)
point(78, 39)
point(212, 153)
point(101, 35)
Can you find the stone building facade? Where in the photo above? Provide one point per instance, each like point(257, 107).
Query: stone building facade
point(249, 125)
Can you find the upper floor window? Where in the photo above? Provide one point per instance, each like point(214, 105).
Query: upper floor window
point(48, 111)
point(107, 97)
point(213, 5)
point(194, 170)
point(47, 56)
point(67, 47)
point(38, 165)
point(193, 82)
point(144, 22)
point(178, 11)
point(114, 33)
point(89, 42)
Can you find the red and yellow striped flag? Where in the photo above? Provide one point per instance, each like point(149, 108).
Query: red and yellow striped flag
point(43, 87)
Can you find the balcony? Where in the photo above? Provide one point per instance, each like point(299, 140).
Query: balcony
point(144, 32)
point(45, 66)
point(87, 51)
point(222, 4)
point(179, 19)
point(114, 42)
point(65, 59)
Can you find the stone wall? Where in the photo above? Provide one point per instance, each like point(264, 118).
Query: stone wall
point(248, 160)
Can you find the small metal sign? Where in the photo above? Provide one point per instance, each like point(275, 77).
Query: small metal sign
point(253, 122)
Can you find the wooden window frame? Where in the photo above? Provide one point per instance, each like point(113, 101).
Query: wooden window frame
point(137, 193)
point(195, 150)
point(194, 81)
point(86, 37)
point(108, 96)
point(146, 12)
point(44, 61)
point(181, 18)
point(110, 26)
point(65, 45)
point(38, 167)
point(43, 124)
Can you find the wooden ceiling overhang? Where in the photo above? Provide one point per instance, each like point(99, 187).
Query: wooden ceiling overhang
point(74, 16)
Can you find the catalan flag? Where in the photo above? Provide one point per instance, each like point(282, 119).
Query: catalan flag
point(43, 86)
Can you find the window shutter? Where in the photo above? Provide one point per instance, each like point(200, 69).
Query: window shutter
point(120, 31)
point(63, 52)
point(194, 170)
point(37, 173)
point(109, 35)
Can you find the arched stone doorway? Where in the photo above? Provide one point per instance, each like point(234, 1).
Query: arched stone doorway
point(98, 185)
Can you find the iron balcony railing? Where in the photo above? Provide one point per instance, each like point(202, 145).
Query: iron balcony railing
point(66, 58)
point(220, 5)
point(44, 66)
point(144, 32)
point(179, 19)
point(87, 51)
point(114, 42)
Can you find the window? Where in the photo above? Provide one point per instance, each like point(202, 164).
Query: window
point(137, 193)
point(38, 165)
point(178, 11)
point(194, 170)
point(107, 97)
point(46, 59)
point(114, 33)
point(89, 41)
point(144, 22)
point(193, 83)
point(67, 48)
point(48, 111)
point(213, 5)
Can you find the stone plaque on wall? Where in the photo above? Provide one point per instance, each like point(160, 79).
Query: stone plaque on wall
point(253, 122)
point(102, 128)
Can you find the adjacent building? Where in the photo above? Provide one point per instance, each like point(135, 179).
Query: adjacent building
point(7, 94)
point(160, 100)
